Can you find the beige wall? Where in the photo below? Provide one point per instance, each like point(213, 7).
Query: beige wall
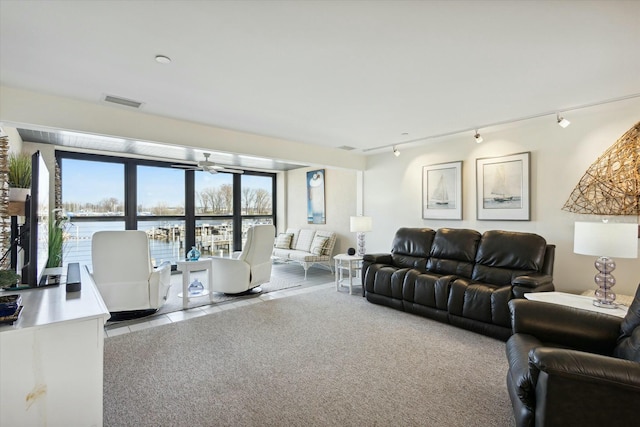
point(340, 201)
point(559, 158)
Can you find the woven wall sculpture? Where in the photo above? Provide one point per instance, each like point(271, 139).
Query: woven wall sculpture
point(611, 185)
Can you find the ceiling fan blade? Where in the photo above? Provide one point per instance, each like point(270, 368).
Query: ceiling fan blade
point(186, 167)
point(231, 170)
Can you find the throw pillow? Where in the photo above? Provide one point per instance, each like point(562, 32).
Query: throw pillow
point(283, 241)
point(317, 245)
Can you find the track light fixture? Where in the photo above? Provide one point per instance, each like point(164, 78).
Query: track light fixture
point(478, 137)
point(396, 152)
point(562, 122)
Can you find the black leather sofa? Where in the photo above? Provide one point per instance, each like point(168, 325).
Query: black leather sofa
point(459, 276)
point(572, 367)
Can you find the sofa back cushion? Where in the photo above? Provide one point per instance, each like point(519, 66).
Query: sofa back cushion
point(411, 247)
point(453, 251)
point(503, 255)
point(305, 238)
point(628, 346)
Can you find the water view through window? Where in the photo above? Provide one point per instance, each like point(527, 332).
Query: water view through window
point(95, 194)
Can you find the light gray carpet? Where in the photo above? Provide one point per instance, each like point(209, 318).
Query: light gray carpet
point(320, 358)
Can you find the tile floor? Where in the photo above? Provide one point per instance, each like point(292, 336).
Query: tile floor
point(178, 316)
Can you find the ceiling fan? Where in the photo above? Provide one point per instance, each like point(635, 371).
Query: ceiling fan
point(207, 165)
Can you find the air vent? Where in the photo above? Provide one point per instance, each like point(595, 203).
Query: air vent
point(122, 101)
point(347, 148)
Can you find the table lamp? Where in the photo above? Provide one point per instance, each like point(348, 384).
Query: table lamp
point(605, 240)
point(360, 225)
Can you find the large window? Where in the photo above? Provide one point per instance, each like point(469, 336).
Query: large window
point(92, 188)
point(177, 208)
point(160, 191)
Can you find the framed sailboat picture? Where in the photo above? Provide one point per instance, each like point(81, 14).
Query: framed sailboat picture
point(442, 191)
point(503, 187)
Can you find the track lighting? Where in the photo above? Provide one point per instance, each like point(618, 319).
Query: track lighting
point(478, 137)
point(562, 122)
point(396, 152)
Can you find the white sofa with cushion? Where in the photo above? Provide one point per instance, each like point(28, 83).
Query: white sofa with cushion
point(306, 247)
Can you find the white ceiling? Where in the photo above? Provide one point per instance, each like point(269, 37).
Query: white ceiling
point(331, 73)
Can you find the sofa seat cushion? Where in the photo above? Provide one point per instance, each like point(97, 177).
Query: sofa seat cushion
point(427, 289)
point(480, 301)
point(303, 256)
point(281, 253)
point(385, 280)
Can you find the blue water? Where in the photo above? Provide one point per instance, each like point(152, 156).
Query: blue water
point(166, 239)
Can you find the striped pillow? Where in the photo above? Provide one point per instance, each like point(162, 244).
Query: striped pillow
point(283, 241)
point(318, 245)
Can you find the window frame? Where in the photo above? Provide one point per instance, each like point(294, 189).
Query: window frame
point(131, 217)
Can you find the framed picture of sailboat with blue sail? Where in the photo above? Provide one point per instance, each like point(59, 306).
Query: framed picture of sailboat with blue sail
point(442, 191)
point(503, 187)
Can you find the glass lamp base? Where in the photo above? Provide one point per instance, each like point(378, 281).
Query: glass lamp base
point(605, 304)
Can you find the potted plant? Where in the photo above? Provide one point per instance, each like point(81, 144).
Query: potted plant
point(19, 176)
point(56, 241)
point(8, 278)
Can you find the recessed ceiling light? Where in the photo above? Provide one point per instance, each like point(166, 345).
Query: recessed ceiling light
point(163, 59)
point(404, 133)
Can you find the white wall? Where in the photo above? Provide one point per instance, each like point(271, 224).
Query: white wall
point(559, 158)
point(42, 110)
point(340, 202)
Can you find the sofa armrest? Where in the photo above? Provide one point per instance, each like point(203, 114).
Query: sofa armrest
point(378, 258)
point(596, 369)
point(532, 281)
point(565, 326)
point(520, 285)
point(578, 388)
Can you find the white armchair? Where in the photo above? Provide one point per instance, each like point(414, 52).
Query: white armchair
point(251, 268)
point(123, 272)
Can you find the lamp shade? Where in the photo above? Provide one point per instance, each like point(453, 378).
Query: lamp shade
point(361, 224)
point(615, 240)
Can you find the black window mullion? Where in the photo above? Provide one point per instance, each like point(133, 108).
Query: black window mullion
point(130, 196)
point(237, 212)
point(189, 210)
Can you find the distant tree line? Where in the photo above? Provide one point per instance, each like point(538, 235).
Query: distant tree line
point(212, 200)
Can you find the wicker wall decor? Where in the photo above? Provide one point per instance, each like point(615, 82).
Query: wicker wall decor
point(611, 185)
point(5, 219)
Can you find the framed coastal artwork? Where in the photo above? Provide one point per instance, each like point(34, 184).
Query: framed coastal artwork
point(503, 187)
point(315, 197)
point(442, 191)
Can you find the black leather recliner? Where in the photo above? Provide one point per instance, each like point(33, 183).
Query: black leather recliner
point(572, 367)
